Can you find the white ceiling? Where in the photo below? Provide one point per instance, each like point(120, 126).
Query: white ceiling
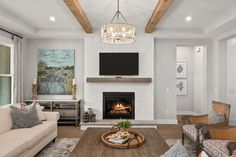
point(31, 17)
point(36, 13)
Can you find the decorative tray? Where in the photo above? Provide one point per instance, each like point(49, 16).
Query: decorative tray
point(136, 140)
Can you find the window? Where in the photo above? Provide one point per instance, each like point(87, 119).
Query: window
point(6, 74)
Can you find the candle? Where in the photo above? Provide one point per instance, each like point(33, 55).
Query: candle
point(74, 82)
point(35, 81)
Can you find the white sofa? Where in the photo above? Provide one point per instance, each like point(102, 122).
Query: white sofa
point(26, 142)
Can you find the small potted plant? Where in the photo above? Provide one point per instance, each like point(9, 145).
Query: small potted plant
point(124, 125)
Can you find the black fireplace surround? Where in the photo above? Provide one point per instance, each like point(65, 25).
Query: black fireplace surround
point(118, 105)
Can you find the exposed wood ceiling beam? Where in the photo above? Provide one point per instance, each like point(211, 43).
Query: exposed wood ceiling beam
point(157, 14)
point(79, 14)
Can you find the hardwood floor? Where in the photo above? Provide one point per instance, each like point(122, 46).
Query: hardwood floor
point(69, 131)
point(167, 131)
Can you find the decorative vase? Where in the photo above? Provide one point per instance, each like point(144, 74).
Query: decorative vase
point(90, 110)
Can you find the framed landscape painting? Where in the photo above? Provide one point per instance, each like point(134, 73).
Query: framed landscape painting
point(181, 70)
point(181, 87)
point(55, 71)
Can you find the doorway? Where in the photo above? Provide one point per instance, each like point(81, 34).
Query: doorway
point(191, 79)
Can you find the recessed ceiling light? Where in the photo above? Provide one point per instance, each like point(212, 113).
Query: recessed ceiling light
point(188, 18)
point(198, 50)
point(52, 18)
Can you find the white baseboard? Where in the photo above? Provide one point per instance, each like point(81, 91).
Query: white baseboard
point(232, 121)
point(166, 121)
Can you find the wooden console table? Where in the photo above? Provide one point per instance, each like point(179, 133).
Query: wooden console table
point(69, 109)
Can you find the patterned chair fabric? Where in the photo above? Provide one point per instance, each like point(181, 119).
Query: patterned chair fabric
point(191, 132)
point(216, 148)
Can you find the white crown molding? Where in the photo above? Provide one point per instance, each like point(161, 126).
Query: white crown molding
point(222, 25)
point(231, 33)
point(58, 33)
point(79, 33)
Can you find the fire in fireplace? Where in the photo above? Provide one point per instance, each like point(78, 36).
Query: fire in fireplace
point(118, 105)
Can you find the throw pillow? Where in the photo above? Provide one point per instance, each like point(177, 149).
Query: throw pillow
point(41, 116)
point(215, 117)
point(177, 150)
point(24, 118)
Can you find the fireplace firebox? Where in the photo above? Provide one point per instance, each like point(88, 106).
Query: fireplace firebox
point(118, 105)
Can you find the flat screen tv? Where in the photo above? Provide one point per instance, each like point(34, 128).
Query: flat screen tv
point(119, 64)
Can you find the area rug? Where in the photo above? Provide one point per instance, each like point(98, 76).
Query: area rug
point(189, 145)
point(60, 148)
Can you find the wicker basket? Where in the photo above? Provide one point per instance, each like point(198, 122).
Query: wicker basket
point(136, 140)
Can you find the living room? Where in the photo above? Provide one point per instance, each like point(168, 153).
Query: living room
point(163, 70)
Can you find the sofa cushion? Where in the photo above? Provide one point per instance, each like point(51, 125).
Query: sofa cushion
point(12, 147)
point(5, 120)
point(31, 136)
point(24, 118)
point(216, 147)
point(41, 116)
point(46, 127)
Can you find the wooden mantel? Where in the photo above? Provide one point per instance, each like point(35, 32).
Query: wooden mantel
point(119, 80)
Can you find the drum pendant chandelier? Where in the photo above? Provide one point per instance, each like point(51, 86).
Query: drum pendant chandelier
point(118, 32)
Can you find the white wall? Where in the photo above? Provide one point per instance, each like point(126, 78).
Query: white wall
point(162, 63)
point(30, 63)
point(185, 54)
point(144, 92)
point(199, 79)
point(226, 49)
point(165, 81)
point(195, 100)
point(165, 77)
point(222, 70)
point(231, 77)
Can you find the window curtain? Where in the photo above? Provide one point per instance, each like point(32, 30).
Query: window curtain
point(18, 70)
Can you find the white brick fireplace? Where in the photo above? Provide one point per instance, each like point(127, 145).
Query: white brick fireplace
point(144, 92)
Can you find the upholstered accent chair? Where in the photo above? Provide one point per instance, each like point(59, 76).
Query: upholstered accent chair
point(193, 124)
point(219, 141)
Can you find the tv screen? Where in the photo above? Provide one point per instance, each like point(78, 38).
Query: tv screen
point(119, 63)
